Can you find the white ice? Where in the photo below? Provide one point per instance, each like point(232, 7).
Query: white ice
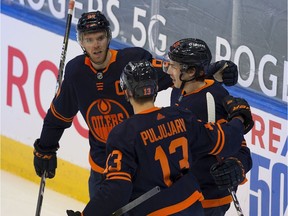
point(19, 198)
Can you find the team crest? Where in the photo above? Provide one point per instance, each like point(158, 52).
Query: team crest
point(103, 115)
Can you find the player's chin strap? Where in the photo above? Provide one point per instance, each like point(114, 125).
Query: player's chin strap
point(182, 92)
point(184, 69)
point(182, 87)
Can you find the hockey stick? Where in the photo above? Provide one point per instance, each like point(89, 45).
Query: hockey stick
point(209, 97)
point(211, 118)
point(137, 201)
point(65, 44)
point(236, 202)
point(58, 84)
point(218, 75)
point(40, 194)
point(211, 110)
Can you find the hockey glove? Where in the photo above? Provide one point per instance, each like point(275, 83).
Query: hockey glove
point(239, 107)
point(228, 173)
point(72, 213)
point(45, 159)
point(224, 71)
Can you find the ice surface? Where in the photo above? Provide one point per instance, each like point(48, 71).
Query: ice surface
point(19, 198)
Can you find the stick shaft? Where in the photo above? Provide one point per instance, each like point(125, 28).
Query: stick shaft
point(211, 108)
point(137, 201)
point(65, 45)
point(236, 202)
point(40, 194)
point(58, 84)
point(218, 75)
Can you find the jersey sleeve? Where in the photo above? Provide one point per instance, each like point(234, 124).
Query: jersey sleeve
point(121, 162)
point(244, 155)
point(224, 139)
point(164, 79)
point(60, 114)
point(117, 187)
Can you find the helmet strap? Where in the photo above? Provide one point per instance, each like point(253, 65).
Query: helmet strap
point(183, 84)
point(184, 81)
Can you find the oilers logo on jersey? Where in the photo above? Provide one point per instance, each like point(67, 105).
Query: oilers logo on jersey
point(103, 115)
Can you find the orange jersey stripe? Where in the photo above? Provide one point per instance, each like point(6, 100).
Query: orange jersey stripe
point(220, 141)
point(94, 166)
point(216, 145)
point(119, 178)
point(118, 174)
point(244, 144)
point(57, 115)
point(179, 206)
point(244, 181)
point(222, 138)
point(216, 202)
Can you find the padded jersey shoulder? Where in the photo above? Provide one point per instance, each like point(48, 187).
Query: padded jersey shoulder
point(76, 61)
point(75, 65)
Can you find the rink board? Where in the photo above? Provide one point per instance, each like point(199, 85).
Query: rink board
point(29, 64)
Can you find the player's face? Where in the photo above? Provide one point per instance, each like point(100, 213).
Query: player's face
point(174, 72)
point(96, 44)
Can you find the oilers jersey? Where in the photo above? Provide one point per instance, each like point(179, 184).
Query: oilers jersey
point(156, 148)
point(98, 97)
point(206, 102)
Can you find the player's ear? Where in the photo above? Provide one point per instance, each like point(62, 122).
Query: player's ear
point(191, 71)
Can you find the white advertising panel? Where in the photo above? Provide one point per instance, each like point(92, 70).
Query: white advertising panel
point(29, 65)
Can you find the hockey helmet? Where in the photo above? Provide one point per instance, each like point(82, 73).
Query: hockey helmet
point(140, 78)
point(190, 52)
point(93, 22)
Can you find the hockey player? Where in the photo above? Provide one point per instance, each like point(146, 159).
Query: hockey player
point(91, 86)
point(156, 147)
point(188, 59)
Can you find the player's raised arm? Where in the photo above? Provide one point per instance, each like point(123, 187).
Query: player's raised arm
point(226, 138)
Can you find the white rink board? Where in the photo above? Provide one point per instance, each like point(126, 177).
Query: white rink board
point(22, 121)
point(33, 47)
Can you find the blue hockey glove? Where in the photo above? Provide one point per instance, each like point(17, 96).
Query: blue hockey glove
point(45, 159)
point(224, 71)
point(228, 173)
point(239, 107)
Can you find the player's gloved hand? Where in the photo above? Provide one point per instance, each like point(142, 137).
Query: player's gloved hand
point(45, 159)
point(239, 107)
point(224, 71)
point(72, 213)
point(228, 173)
